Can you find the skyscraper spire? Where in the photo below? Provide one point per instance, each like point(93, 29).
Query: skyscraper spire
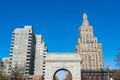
point(85, 21)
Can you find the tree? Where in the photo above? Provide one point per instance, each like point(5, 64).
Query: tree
point(2, 76)
point(116, 75)
point(68, 76)
point(117, 59)
point(1, 65)
point(18, 72)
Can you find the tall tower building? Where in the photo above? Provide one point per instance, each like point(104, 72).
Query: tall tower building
point(88, 47)
point(40, 54)
point(23, 50)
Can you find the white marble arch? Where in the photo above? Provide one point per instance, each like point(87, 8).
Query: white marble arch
point(56, 61)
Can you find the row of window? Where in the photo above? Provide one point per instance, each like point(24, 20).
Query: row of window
point(86, 30)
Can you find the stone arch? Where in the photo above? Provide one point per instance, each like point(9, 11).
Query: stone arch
point(69, 73)
point(56, 62)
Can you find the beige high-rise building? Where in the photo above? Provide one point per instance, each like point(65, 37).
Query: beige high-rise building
point(88, 47)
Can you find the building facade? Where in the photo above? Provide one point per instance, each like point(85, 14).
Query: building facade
point(88, 47)
point(40, 54)
point(23, 50)
point(4, 65)
point(97, 75)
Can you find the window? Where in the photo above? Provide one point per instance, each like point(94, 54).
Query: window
point(90, 62)
point(83, 66)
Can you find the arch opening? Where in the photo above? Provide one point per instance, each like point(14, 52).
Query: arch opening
point(62, 74)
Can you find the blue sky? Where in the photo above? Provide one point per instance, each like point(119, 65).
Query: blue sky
point(58, 21)
point(61, 74)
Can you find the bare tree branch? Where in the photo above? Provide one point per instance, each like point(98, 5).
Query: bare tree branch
point(117, 59)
